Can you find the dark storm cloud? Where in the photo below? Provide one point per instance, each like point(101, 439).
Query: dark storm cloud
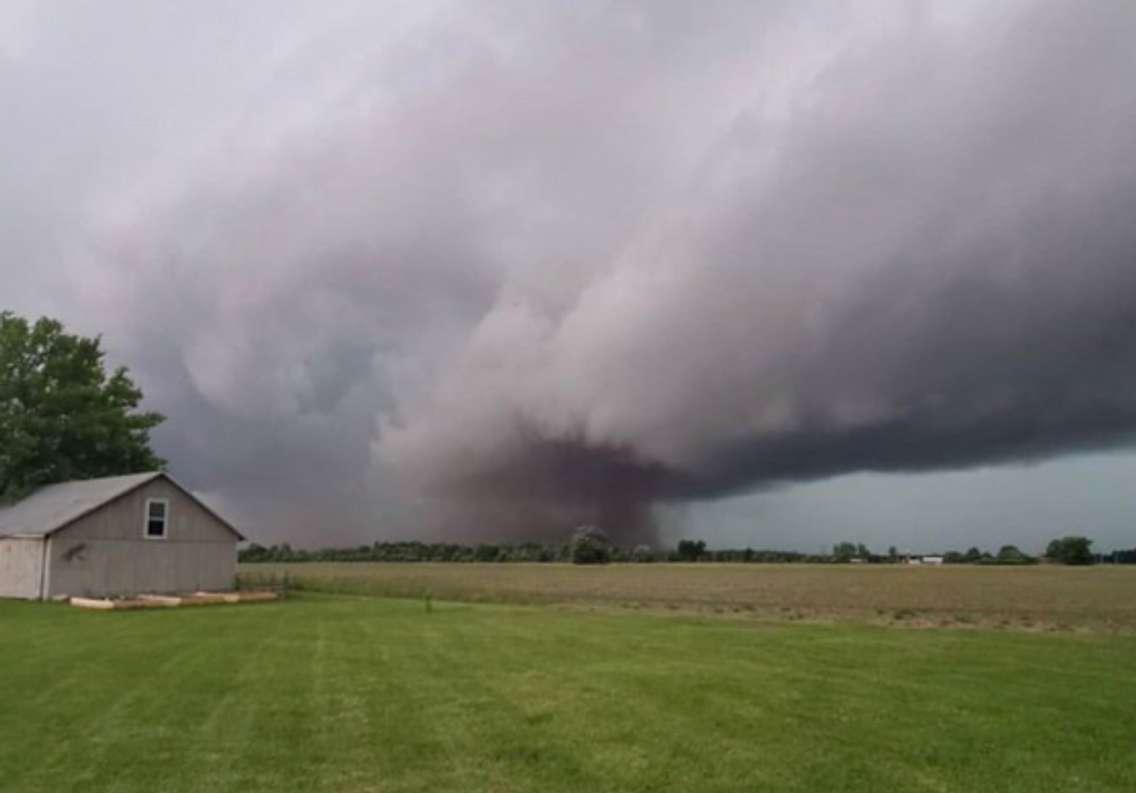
point(927, 263)
point(430, 271)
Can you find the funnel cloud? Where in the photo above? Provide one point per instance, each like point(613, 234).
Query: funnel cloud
point(491, 272)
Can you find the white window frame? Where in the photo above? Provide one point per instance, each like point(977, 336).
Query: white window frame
point(165, 502)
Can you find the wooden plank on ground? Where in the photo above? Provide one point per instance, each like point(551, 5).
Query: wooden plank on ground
point(258, 596)
point(150, 601)
point(208, 597)
point(93, 603)
point(162, 600)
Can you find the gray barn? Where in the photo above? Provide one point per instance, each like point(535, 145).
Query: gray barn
point(114, 536)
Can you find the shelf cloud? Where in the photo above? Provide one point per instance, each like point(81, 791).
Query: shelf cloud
point(493, 272)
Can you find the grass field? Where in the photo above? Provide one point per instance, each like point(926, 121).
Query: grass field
point(341, 693)
point(1045, 597)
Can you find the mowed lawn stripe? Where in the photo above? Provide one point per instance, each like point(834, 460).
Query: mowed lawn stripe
point(107, 685)
point(327, 693)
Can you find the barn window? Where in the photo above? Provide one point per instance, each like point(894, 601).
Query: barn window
point(157, 517)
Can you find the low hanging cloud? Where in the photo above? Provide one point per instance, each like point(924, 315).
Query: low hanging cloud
point(496, 274)
point(928, 262)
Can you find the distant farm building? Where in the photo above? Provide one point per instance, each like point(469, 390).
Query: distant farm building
point(114, 536)
point(924, 559)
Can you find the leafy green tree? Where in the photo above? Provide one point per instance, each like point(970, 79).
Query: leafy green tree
point(590, 546)
point(62, 415)
point(843, 551)
point(486, 552)
point(1012, 554)
point(972, 555)
point(691, 550)
point(1009, 553)
point(1071, 550)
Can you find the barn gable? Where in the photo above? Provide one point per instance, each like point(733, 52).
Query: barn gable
point(55, 507)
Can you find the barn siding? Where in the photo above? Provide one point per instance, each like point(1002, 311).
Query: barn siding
point(106, 552)
point(21, 565)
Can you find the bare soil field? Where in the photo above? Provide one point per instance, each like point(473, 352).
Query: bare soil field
point(1045, 597)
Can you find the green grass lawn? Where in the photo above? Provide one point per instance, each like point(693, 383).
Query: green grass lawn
point(356, 694)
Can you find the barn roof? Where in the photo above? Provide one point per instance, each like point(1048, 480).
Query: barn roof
point(53, 507)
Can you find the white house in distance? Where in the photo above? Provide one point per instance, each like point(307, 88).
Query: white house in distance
point(932, 560)
point(118, 535)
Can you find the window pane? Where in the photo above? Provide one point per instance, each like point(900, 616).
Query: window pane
point(157, 509)
point(156, 528)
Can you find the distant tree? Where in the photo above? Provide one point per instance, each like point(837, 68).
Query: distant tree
point(972, 555)
point(486, 553)
point(1010, 553)
point(1070, 550)
point(862, 551)
point(843, 551)
point(590, 545)
point(62, 416)
point(254, 553)
point(893, 554)
point(691, 550)
point(642, 553)
point(1127, 556)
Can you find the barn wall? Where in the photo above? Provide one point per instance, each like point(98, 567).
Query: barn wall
point(106, 552)
point(21, 564)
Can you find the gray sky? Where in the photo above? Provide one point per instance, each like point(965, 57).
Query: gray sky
point(776, 274)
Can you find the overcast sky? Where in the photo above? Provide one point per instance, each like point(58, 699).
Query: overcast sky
point(777, 274)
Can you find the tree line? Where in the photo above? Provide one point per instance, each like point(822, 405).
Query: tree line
point(590, 546)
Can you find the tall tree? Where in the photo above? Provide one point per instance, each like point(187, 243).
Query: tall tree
point(590, 545)
point(1071, 550)
point(62, 416)
point(691, 550)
